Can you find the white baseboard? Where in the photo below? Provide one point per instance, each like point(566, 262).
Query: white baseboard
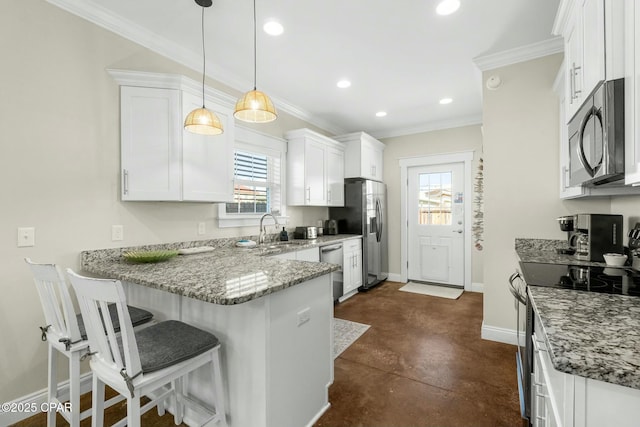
point(503, 335)
point(38, 398)
point(477, 287)
point(393, 277)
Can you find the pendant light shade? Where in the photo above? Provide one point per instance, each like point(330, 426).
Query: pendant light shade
point(201, 120)
point(255, 106)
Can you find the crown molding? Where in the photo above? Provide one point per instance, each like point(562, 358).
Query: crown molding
point(563, 16)
point(519, 54)
point(101, 17)
point(430, 127)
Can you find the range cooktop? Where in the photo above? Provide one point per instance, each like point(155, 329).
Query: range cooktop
point(608, 280)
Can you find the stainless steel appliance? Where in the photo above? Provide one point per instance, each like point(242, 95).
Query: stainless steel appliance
point(331, 227)
point(596, 137)
point(597, 234)
point(566, 223)
point(309, 233)
point(333, 254)
point(365, 213)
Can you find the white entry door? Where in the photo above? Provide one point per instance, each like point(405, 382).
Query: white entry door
point(435, 207)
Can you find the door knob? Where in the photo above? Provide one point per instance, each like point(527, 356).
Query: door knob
point(458, 231)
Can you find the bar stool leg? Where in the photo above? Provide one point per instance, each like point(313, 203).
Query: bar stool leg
point(133, 411)
point(52, 384)
point(97, 402)
point(218, 389)
point(74, 388)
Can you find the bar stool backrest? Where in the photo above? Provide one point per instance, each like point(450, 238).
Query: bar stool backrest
point(94, 295)
point(59, 313)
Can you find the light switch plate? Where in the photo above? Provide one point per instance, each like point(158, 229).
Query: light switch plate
point(26, 237)
point(117, 233)
point(202, 228)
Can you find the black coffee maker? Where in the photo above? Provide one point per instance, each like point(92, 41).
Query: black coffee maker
point(598, 234)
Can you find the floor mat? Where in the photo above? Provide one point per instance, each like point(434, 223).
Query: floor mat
point(345, 333)
point(433, 290)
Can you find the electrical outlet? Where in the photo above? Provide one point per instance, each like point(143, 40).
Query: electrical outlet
point(26, 237)
point(117, 233)
point(304, 316)
point(202, 228)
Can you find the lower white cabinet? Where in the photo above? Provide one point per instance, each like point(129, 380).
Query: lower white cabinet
point(352, 265)
point(309, 254)
point(561, 399)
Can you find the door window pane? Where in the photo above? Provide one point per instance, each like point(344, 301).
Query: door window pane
point(434, 198)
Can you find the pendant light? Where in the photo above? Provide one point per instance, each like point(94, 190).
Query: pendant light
point(201, 120)
point(255, 106)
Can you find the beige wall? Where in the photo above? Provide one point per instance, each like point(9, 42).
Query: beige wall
point(520, 124)
point(467, 138)
point(59, 133)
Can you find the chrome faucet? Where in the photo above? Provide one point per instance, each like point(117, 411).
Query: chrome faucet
point(263, 232)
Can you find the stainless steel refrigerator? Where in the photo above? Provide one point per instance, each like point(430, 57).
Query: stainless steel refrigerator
point(365, 213)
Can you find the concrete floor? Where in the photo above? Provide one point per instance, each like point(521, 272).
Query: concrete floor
point(421, 363)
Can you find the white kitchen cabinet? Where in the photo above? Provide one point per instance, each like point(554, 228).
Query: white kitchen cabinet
point(561, 399)
point(566, 190)
point(352, 265)
point(593, 32)
point(315, 169)
point(363, 156)
point(632, 93)
point(160, 161)
point(309, 254)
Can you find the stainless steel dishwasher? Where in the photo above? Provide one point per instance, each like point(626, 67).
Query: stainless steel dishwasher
point(333, 254)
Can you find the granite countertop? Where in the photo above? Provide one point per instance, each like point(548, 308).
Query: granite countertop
point(227, 275)
point(544, 251)
point(590, 334)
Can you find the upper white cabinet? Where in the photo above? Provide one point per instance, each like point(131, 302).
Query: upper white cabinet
point(632, 92)
point(315, 169)
point(566, 190)
point(363, 156)
point(161, 161)
point(593, 32)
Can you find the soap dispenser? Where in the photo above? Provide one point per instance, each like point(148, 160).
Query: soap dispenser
point(283, 235)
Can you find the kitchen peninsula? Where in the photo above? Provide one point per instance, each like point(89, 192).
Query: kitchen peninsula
point(273, 317)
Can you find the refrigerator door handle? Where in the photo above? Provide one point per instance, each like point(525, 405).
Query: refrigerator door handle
point(379, 221)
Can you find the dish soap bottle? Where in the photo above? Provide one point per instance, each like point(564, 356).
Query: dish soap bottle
point(283, 235)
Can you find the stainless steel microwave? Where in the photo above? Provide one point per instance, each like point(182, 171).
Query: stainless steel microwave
point(596, 137)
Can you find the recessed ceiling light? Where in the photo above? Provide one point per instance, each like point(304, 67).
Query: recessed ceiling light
point(273, 28)
point(447, 7)
point(445, 101)
point(381, 113)
point(343, 84)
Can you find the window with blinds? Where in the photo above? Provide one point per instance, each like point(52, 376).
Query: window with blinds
point(256, 184)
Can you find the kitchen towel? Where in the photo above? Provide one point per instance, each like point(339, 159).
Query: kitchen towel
point(432, 290)
point(345, 333)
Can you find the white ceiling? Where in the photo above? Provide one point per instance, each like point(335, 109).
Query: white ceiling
point(400, 56)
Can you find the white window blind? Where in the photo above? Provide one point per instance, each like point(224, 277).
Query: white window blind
point(257, 184)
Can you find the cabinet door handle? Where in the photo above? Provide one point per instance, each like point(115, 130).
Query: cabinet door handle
point(308, 194)
point(373, 170)
point(125, 181)
point(329, 195)
point(575, 74)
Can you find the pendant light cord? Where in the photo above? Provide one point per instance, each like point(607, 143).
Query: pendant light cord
point(204, 58)
point(255, 60)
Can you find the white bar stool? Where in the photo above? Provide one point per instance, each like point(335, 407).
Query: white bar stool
point(140, 363)
point(65, 334)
